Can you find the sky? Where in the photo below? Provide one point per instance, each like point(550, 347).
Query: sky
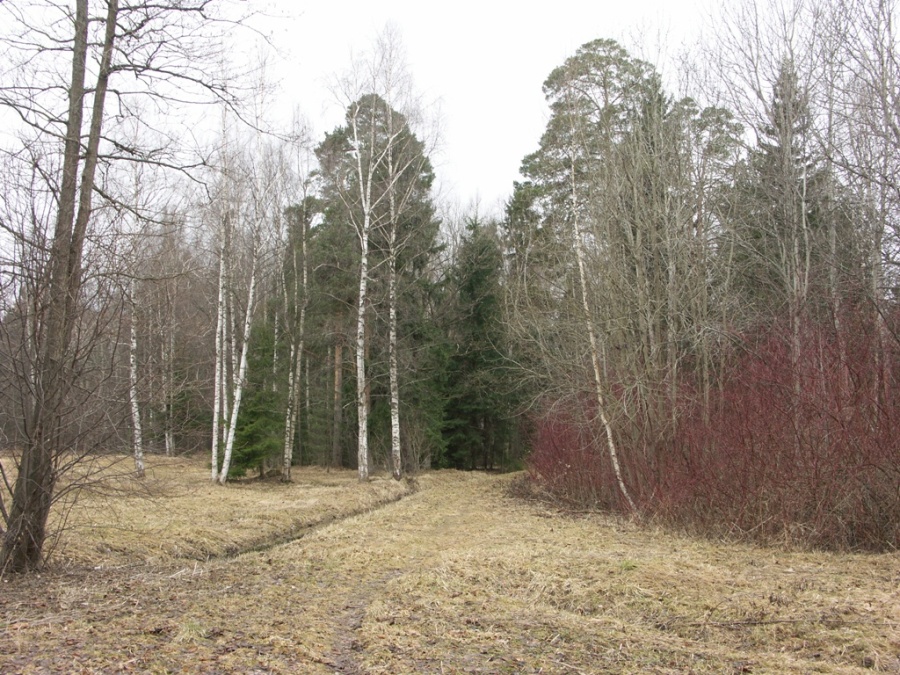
point(478, 65)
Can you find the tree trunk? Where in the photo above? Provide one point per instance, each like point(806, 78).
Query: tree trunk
point(290, 415)
point(240, 377)
point(338, 421)
point(219, 403)
point(363, 230)
point(595, 352)
point(396, 459)
point(294, 403)
point(137, 434)
point(362, 403)
point(169, 389)
point(33, 491)
point(294, 371)
point(276, 336)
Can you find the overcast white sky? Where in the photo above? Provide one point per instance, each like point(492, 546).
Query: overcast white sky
point(481, 62)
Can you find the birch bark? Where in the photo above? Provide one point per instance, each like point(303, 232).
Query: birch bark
point(169, 384)
point(219, 385)
point(396, 459)
point(137, 434)
point(365, 175)
point(296, 359)
point(240, 377)
point(595, 353)
point(578, 245)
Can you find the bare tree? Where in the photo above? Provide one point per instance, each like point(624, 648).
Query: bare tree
point(408, 175)
point(574, 119)
point(612, 255)
point(155, 50)
point(859, 55)
point(296, 299)
point(249, 207)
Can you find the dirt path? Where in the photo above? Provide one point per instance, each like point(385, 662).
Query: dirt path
point(460, 578)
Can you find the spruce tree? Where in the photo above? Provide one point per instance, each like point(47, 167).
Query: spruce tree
point(477, 423)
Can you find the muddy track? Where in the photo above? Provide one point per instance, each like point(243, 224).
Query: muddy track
point(346, 644)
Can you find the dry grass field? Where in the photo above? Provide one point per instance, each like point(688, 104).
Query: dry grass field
point(456, 576)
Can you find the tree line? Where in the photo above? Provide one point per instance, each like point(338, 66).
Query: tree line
point(706, 293)
point(253, 293)
point(687, 310)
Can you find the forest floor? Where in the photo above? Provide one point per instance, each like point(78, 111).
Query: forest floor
point(448, 573)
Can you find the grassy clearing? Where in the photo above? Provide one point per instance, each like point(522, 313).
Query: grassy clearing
point(458, 577)
point(541, 593)
point(176, 512)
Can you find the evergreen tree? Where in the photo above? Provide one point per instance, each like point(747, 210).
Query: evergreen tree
point(260, 428)
point(376, 182)
point(477, 424)
point(775, 227)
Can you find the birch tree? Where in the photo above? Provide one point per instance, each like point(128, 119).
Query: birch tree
point(408, 175)
point(567, 109)
point(611, 239)
point(249, 209)
point(860, 54)
point(137, 440)
point(296, 303)
point(383, 170)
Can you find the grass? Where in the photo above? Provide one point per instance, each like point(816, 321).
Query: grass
point(177, 513)
point(456, 577)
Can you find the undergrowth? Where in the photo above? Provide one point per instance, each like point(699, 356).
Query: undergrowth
point(802, 450)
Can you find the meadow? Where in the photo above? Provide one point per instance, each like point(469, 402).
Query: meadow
point(449, 572)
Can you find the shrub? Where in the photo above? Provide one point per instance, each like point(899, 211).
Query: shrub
point(819, 468)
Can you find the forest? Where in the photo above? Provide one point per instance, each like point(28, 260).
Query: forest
point(687, 313)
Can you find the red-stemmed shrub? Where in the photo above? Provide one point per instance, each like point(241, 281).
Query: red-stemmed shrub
point(800, 448)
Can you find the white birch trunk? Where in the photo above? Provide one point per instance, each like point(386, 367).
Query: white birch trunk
point(363, 229)
point(290, 415)
point(299, 379)
point(230, 332)
point(239, 378)
point(362, 409)
point(595, 352)
point(219, 387)
point(381, 156)
point(137, 434)
point(169, 393)
point(396, 459)
point(227, 380)
point(275, 338)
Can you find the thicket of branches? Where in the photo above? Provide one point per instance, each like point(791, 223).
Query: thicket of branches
point(742, 281)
